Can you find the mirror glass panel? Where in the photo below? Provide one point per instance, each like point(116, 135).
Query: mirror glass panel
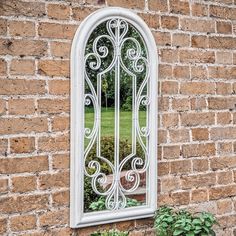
point(116, 118)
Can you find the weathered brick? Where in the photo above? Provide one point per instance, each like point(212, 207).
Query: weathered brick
point(59, 87)
point(60, 123)
point(224, 206)
point(23, 203)
point(61, 198)
point(54, 68)
point(200, 165)
point(195, 56)
point(53, 218)
point(171, 152)
point(4, 187)
point(181, 72)
point(2, 107)
point(198, 150)
point(224, 27)
point(197, 118)
point(205, 26)
point(20, 47)
point(165, 71)
point(170, 120)
point(163, 168)
point(22, 28)
point(21, 106)
point(169, 87)
point(3, 146)
point(20, 8)
point(198, 72)
point(20, 165)
point(223, 133)
point(3, 27)
point(152, 20)
point(222, 72)
point(221, 103)
point(162, 38)
point(56, 31)
point(181, 198)
point(22, 67)
point(199, 180)
point(53, 106)
point(22, 145)
point(222, 42)
point(224, 148)
point(199, 41)
point(24, 222)
point(197, 88)
point(180, 167)
point(58, 180)
point(180, 40)
point(21, 87)
point(222, 12)
point(179, 135)
point(199, 9)
point(169, 22)
point(3, 225)
point(60, 161)
point(223, 162)
point(223, 88)
point(79, 13)
point(222, 192)
point(60, 49)
point(179, 7)
point(58, 12)
point(158, 5)
point(225, 177)
point(199, 134)
point(180, 104)
point(170, 184)
point(168, 55)
point(199, 195)
point(23, 125)
point(53, 143)
point(127, 3)
point(24, 184)
point(224, 118)
point(3, 67)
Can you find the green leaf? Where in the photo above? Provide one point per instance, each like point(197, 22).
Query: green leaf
point(178, 232)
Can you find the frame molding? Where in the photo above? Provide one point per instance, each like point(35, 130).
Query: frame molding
point(78, 218)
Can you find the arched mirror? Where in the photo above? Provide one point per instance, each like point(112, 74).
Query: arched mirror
point(113, 119)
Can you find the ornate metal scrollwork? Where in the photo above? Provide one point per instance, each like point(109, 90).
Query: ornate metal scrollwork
point(116, 34)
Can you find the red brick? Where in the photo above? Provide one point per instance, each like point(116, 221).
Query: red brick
point(224, 118)
point(180, 40)
point(199, 9)
point(205, 26)
point(169, 87)
point(198, 180)
point(179, 135)
point(60, 123)
point(163, 168)
point(222, 12)
point(53, 144)
point(20, 165)
point(21, 87)
point(3, 27)
point(127, 3)
point(170, 120)
point(223, 162)
point(152, 20)
point(197, 88)
point(168, 55)
point(58, 12)
point(223, 133)
point(197, 118)
point(21, 106)
point(198, 150)
point(3, 225)
point(60, 161)
point(58, 180)
point(3, 67)
point(56, 31)
point(221, 103)
point(180, 104)
point(194, 56)
point(158, 5)
point(222, 192)
point(222, 42)
point(199, 134)
point(60, 49)
point(4, 187)
point(224, 206)
point(199, 195)
point(179, 7)
point(53, 106)
point(224, 27)
point(59, 87)
point(223, 88)
point(24, 184)
point(170, 184)
point(200, 165)
point(20, 8)
point(181, 72)
point(224, 148)
point(198, 72)
point(23, 125)
point(79, 13)
point(169, 22)
point(171, 152)
point(22, 28)
point(22, 67)
point(3, 146)
point(61, 198)
point(22, 145)
point(20, 47)
point(162, 38)
point(199, 41)
point(21, 223)
point(22, 204)
point(180, 167)
point(225, 177)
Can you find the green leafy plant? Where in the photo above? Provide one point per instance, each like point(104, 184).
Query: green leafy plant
point(99, 205)
point(182, 223)
point(110, 233)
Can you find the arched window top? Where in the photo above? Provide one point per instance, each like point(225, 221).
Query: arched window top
point(113, 119)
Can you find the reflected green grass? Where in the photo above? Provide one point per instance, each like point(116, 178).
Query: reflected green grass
point(107, 124)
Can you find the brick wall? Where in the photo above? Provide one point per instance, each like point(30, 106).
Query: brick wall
point(196, 42)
